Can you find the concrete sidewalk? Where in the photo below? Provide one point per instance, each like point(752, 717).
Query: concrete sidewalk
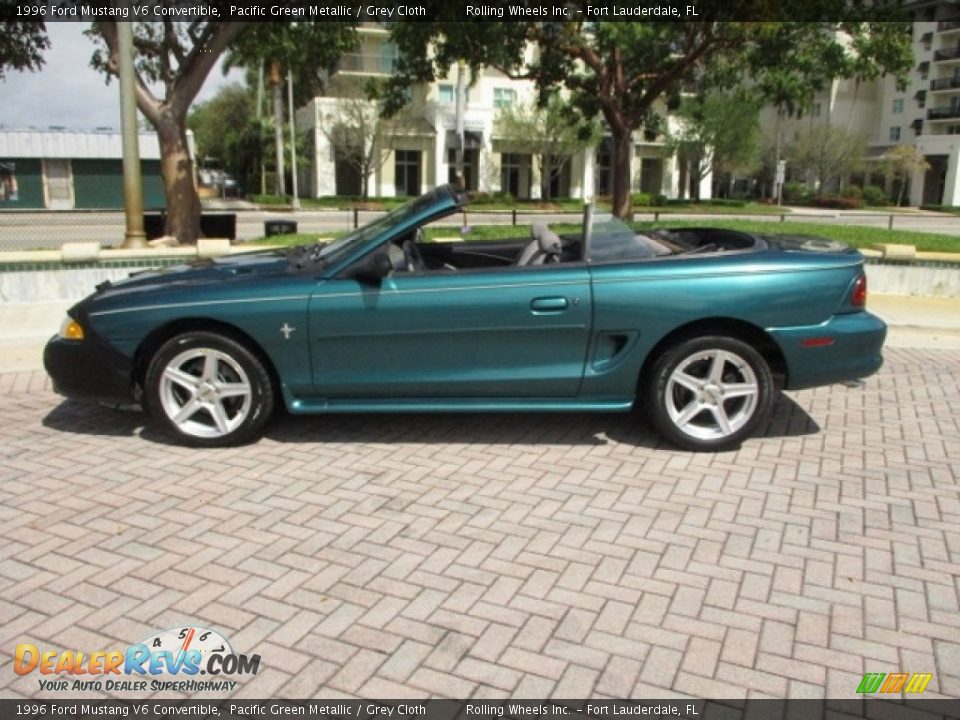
point(914, 322)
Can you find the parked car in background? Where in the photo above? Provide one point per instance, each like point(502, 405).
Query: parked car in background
point(702, 327)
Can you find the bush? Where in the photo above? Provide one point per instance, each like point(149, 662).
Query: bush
point(837, 203)
point(725, 202)
point(852, 191)
point(659, 200)
point(795, 192)
point(873, 195)
point(641, 199)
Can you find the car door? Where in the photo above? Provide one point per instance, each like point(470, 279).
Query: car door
point(512, 332)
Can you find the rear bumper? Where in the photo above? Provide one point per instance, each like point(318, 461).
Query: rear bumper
point(845, 347)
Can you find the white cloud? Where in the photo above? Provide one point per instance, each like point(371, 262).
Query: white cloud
point(67, 91)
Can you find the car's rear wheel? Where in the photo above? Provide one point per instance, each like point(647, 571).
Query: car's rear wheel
point(709, 393)
point(209, 390)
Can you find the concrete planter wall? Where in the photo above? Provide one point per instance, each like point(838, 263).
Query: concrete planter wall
point(50, 281)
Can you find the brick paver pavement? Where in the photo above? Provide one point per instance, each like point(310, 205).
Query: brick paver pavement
point(489, 555)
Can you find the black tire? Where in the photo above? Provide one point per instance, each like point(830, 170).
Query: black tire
point(687, 403)
point(222, 390)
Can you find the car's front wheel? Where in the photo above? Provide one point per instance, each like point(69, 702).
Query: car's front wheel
point(709, 393)
point(209, 389)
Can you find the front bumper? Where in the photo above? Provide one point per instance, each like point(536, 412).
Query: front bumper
point(89, 369)
point(845, 347)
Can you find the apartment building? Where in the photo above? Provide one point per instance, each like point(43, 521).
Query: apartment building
point(925, 113)
point(420, 153)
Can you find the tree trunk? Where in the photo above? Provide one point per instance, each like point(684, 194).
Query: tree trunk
point(684, 177)
point(546, 175)
point(622, 202)
point(281, 182)
point(183, 203)
point(696, 177)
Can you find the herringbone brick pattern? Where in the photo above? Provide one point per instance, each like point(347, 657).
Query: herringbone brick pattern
point(489, 555)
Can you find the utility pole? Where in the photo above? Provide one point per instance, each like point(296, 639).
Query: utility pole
point(132, 184)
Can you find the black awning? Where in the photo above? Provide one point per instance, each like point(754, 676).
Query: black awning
point(471, 140)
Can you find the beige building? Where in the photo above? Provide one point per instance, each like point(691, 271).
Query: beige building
point(420, 153)
point(925, 113)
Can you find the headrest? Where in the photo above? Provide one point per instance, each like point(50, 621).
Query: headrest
point(548, 240)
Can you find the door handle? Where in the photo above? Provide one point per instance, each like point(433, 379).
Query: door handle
point(549, 304)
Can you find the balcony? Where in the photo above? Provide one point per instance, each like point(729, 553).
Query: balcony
point(948, 25)
point(947, 83)
point(366, 64)
point(946, 54)
point(944, 113)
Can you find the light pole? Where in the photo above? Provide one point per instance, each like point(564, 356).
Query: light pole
point(295, 201)
point(132, 185)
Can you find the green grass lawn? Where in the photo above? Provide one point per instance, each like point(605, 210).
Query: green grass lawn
point(857, 236)
point(706, 208)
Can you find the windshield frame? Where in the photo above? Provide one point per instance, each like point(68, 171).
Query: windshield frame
point(344, 251)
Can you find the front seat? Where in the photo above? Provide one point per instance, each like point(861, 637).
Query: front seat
point(546, 246)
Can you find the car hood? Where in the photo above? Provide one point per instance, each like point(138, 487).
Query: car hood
point(266, 262)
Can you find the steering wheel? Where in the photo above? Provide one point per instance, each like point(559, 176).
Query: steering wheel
point(411, 254)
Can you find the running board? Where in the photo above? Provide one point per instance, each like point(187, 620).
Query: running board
point(455, 405)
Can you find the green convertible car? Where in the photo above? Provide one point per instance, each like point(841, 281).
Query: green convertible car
point(701, 327)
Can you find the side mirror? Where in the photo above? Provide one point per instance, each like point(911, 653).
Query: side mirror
point(374, 267)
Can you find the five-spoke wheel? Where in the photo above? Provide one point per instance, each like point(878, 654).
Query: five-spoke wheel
point(209, 389)
point(709, 393)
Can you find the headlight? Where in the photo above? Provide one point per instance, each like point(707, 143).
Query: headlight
point(70, 329)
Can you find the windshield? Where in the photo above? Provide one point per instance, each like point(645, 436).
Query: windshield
point(611, 239)
point(341, 248)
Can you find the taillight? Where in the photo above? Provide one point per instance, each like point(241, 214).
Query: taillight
point(858, 298)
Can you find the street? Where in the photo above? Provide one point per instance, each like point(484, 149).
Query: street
point(50, 230)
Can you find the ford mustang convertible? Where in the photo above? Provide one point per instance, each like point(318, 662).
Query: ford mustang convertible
point(700, 327)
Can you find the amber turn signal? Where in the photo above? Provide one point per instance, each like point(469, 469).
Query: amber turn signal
point(71, 330)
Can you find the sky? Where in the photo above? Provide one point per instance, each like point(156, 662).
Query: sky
point(67, 91)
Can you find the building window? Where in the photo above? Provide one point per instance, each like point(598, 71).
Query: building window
point(470, 161)
point(388, 57)
point(407, 172)
point(816, 109)
point(503, 97)
point(898, 106)
point(515, 174)
point(447, 94)
point(895, 134)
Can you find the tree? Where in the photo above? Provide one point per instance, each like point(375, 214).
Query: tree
point(719, 132)
point(903, 162)
point(361, 135)
point(178, 57)
point(553, 132)
point(22, 44)
point(225, 127)
point(305, 50)
point(828, 153)
point(622, 70)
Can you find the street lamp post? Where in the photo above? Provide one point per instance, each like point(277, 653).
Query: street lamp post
point(295, 201)
point(132, 185)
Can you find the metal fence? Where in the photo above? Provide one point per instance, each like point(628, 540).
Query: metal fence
point(49, 230)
